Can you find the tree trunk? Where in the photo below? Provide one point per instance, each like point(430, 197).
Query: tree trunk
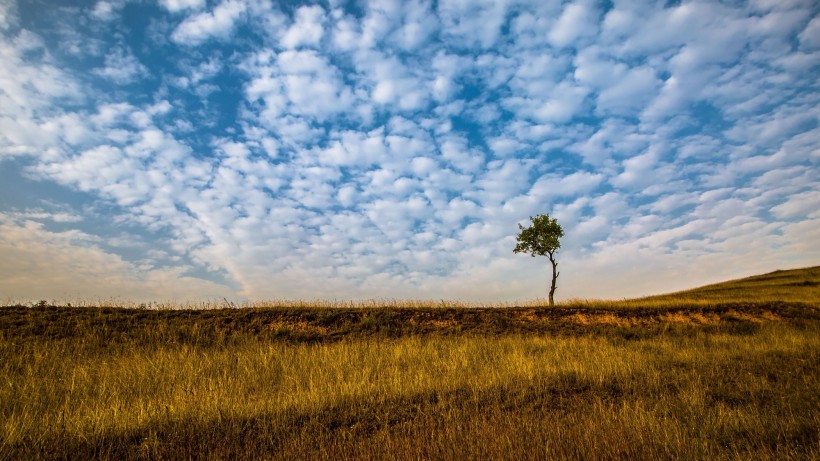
point(554, 279)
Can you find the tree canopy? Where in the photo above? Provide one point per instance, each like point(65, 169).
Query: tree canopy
point(542, 238)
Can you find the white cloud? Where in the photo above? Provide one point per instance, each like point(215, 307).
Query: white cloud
point(302, 83)
point(503, 147)
point(418, 25)
point(354, 148)
point(622, 90)
point(565, 101)
point(70, 265)
point(28, 85)
point(218, 23)
point(8, 14)
point(175, 6)
point(40, 215)
point(528, 25)
point(501, 180)
point(537, 73)
point(810, 37)
point(619, 23)
point(391, 82)
point(307, 28)
point(107, 10)
point(799, 205)
point(638, 171)
point(196, 75)
point(122, 67)
point(447, 69)
point(346, 33)
point(391, 151)
point(456, 151)
point(674, 258)
point(673, 97)
point(472, 23)
point(405, 25)
point(31, 92)
point(578, 20)
point(614, 138)
point(577, 183)
point(630, 93)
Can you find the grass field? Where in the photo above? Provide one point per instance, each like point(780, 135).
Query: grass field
point(728, 371)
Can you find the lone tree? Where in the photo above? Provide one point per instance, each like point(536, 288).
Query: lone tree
point(541, 239)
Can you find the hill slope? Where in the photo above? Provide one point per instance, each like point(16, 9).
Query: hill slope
point(794, 285)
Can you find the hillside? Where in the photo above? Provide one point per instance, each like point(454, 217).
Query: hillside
point(794, 285)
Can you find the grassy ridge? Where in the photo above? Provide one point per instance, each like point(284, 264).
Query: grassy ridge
point(795, 285)
point(107, 328)
point(676, 378)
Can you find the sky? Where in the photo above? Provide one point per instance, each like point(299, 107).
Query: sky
point(253, 149)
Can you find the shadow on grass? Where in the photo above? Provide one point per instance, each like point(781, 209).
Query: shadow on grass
point(565, 416)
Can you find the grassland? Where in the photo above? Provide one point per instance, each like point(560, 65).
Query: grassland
point(728, 371)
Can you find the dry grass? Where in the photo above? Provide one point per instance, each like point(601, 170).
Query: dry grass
point(795, 285)
point(684, 394)
point(692, 378)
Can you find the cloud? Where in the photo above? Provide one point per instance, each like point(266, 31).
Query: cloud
point(640, 170)
point(39, 215)
point(8, 15)
point(122, 67)
point(391, 82)
point(810, 37)
point(418, 25)
point(564, 103)
point(175, 6)
point(30, 95)
point(353, 148)
point(299, 83)
point(572, 185)
point(472, 23)
point(32, 83)
point(107, 10)
point(307, 28)
point(198, 78)
point(390, 149)
point(799, 205)
point(218, 23)
point(630, 93)
point(675, 257)
point(578, 20)
point(70, 265)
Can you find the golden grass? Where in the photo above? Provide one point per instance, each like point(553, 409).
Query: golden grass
point(696, 375)
point(672, 391)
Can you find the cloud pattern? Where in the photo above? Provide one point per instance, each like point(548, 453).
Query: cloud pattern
point(249, 149)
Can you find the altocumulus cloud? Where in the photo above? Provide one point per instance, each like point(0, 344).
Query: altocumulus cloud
point(253, 149)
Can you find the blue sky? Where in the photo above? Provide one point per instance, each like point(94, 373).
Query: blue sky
point(249, 149)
